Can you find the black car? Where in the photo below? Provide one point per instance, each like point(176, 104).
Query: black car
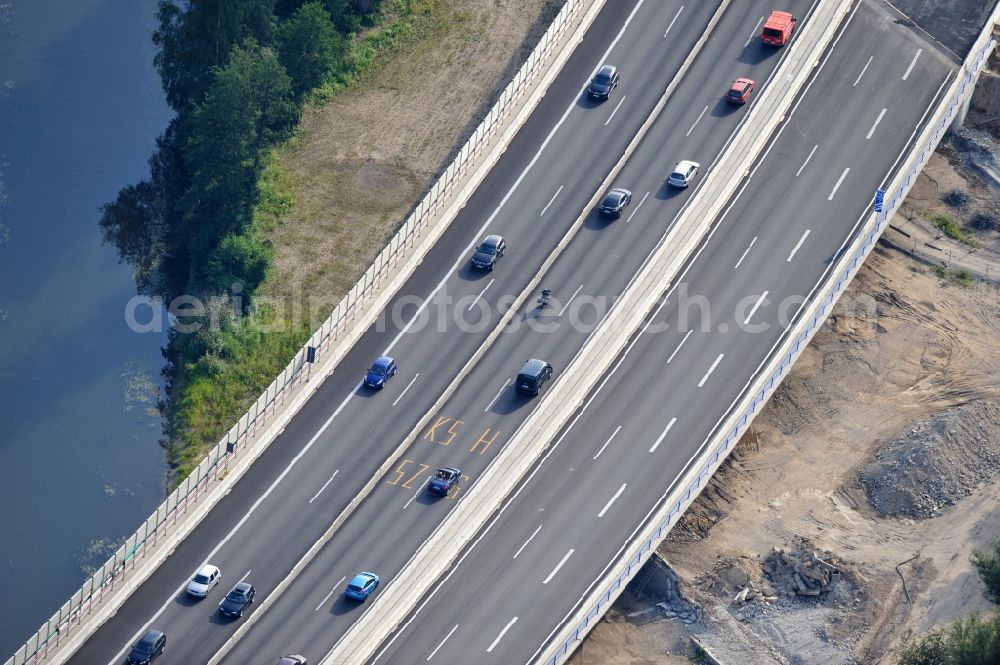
point(149, 647)
point(444, 480)
point(238, 599)
point(533, 376)
point(603, 82)
point(491, 249)
point(614, 202)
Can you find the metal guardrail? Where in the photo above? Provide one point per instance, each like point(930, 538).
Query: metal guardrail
point(722, 449)
point(73, 615)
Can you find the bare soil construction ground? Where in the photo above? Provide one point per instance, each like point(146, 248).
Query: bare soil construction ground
point(879, 453)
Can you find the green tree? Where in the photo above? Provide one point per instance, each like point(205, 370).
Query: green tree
point(309, 46)
point(248, 108)
point(969, 641)
point(239, 258)
point(195, 37)
point(988, 565)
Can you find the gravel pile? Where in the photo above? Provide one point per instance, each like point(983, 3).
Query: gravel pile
point(939, 461)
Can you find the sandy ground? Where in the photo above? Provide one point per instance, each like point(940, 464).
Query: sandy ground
point(926, 346)
point(362, 161)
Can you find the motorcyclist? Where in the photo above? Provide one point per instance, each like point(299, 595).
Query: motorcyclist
point(543, 300)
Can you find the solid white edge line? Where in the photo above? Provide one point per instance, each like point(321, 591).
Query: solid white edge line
point(242, 579)
point(754, 310)
point(551, 200)
point(619, 105)
point(839, 181)
point(629, 219)
point(441, 643)
point(406, 388)
point(417, 493)
point(473, 303)
point(754, 33)
point(745, 252)
point(558, 566)
point(530, 538)
point(799, 172)
point(676, 16)
point(503, 632)
point(610, 438)
point(612, 500)
point(327, 597)
point(797, 246)
point(663, 435)
point(688, 334)
point(700, 116)
point(863, 70)
point(877, 120)
point(399, 631)
point(566, 306)
point(494, 400)
point(324, 485)
point(711, 369)
point(753, 376)
point(912, 63)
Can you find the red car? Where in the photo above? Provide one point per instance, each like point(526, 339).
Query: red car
point(740, 91)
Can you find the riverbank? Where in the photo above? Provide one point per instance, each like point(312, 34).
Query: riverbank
point(336, 192)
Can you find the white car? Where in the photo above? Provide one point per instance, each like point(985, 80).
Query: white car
point(204, 581)
point(684, 173)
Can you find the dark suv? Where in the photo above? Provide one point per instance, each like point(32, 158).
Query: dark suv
point(532, 376)
point(149, 647)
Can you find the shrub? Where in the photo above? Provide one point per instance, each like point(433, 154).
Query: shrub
point(988, 566)
point(968, 641)
point(983, 221)
point(956, 198)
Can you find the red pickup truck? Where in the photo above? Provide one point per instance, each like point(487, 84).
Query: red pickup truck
point(778, 28)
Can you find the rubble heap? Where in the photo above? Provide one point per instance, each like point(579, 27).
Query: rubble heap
point(936, 463)
point(800, 573)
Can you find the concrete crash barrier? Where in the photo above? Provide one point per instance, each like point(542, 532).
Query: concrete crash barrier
point(437, 554)
point(105, 592)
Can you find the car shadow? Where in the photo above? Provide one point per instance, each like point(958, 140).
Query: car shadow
point(510, 401)
point(367, 391)
point(597, 222)
point(724, 109)
point(585, 101)
point(757, 52)
point(220, 619)
point(667, 191)
point(184, 599)
point(344, 605)
point(470, 274)
point(426, 498)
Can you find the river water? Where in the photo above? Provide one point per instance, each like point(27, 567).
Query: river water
point(80, 108)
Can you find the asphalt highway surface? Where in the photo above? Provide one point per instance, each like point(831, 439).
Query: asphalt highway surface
point(597, 265)
point(532, 197)
point(642, 426)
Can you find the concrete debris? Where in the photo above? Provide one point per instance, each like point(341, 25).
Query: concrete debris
point(931, 466)
point(799, 572)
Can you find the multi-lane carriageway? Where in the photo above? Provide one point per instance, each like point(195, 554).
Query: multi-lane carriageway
point(645, 423)
point(641, 427)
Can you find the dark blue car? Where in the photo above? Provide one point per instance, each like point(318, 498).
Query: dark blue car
point(380, 371)
point(361, 586)
point(444, 480)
